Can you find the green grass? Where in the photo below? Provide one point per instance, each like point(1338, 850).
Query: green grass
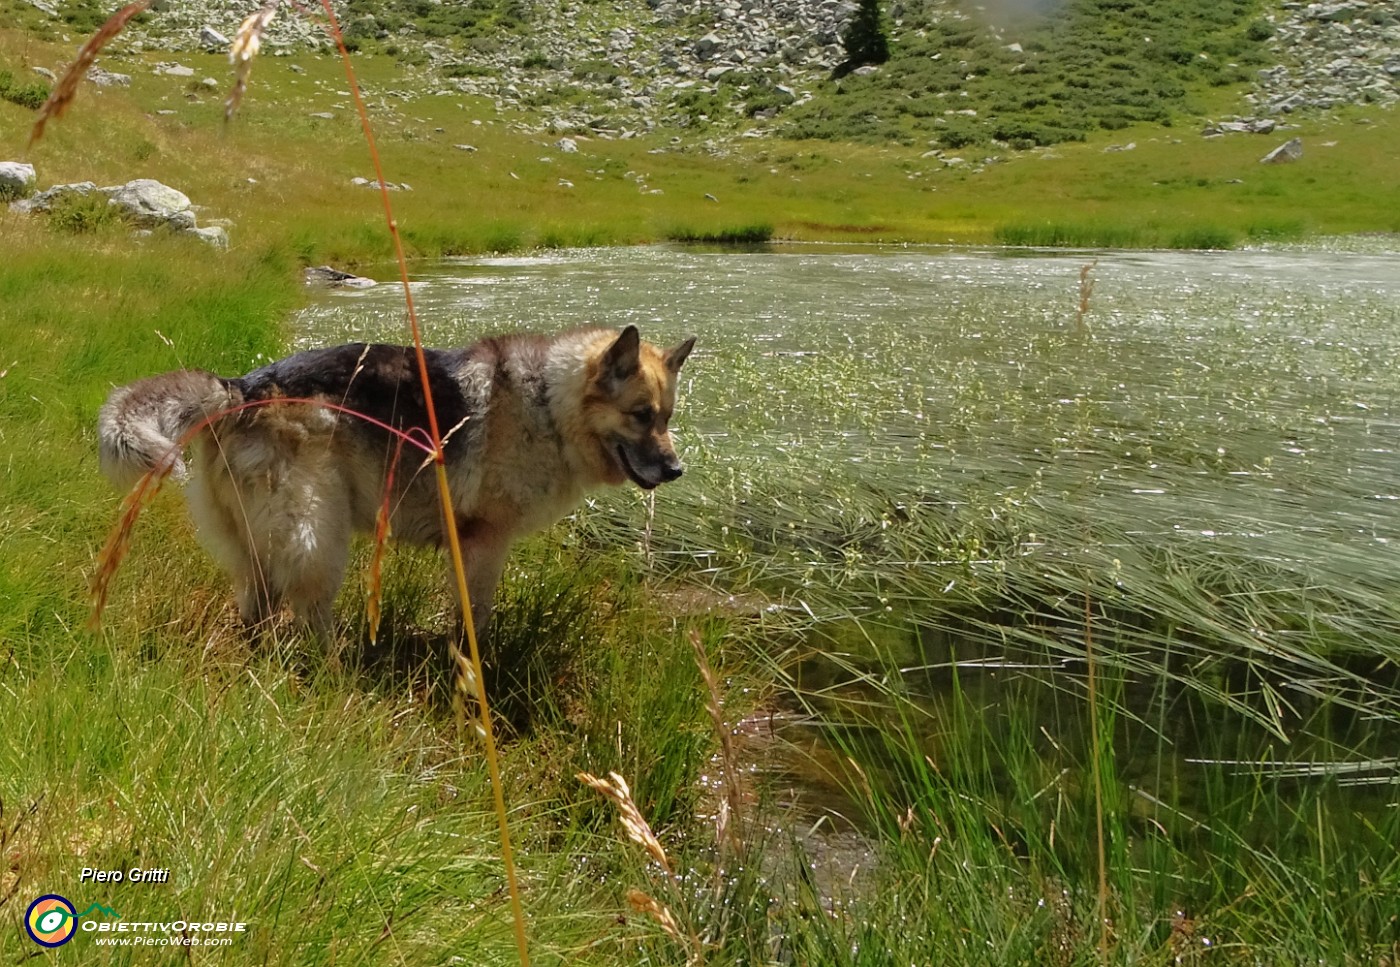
point(755, 234)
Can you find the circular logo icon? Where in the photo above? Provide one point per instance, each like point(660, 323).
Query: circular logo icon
point(51, 920)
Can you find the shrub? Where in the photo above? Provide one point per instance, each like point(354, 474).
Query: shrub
point(31, 95)
point(755, 233)
point(79, 214)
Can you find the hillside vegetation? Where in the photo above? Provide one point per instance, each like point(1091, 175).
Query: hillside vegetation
point(944, 74)
point(1041, 76)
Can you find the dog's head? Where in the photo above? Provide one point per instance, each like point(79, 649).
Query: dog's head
point(631, 398)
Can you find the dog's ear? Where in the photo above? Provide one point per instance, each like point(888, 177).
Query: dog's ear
point(623, 357)
point(677, 356)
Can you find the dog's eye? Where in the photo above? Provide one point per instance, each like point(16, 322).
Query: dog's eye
point(643, 414)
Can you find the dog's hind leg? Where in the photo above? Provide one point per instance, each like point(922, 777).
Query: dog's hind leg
point(224, 533)
point(311, 555)
point(311, 594)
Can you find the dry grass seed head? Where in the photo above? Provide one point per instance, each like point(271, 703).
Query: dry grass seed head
point(110, 558)
point(67, 87)
point(729, 810)
point(243, 49)
point(633, 823)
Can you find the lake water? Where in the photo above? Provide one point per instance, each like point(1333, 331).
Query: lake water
point(931, 461)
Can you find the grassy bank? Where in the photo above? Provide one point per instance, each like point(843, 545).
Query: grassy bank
point(282, 173)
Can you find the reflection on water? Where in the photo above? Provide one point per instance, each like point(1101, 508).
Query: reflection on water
point(916, 448)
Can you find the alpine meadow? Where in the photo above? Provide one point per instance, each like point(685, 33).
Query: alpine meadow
point(1028, 596)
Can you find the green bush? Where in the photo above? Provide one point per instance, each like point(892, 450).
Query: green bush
point(31, 95)
point(78, 214)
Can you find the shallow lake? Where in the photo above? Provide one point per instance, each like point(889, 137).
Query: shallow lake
point(943, 464)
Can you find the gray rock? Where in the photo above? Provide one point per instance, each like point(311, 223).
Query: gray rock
point(708, 46)
point(16, 179)
point(211, 234)
point(147, 203)
point(45, 73)
point(335, 278)
point(567, 145)
point(211, 39)
point(45, 200)
point(1291, 150)
point(105, 78)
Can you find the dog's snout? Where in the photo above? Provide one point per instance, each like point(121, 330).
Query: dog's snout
point(671, 471)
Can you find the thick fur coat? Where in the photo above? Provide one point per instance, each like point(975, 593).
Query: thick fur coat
point(277, 489)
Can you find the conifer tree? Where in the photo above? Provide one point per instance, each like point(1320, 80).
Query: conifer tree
point(864, 39)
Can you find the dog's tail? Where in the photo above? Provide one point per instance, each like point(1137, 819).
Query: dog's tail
point(139, 426)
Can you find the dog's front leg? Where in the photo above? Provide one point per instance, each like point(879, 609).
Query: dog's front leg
point(484, 551)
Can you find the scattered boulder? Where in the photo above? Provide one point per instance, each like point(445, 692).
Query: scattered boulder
point(1291, 150)
point(1241, 126)
point(144, 203)
point(388, 185)
point(335, 278)
point(105, 78)
point(147, 203)
point(211, 39)
point(1330, 54)
point(45, 200)
point(16, 179)
point(212, 234)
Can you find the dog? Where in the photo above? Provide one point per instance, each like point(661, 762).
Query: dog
point(276, 489)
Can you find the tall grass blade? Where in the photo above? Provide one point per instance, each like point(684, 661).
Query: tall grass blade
point(67, 87)
point(732, 804)
point(466, 670)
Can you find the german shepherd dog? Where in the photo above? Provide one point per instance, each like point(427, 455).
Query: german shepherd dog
point(530, 424)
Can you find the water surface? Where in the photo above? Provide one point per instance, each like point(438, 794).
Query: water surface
point(938, 462)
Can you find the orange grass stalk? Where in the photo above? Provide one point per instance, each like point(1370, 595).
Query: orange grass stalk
point(113, 552)
point(467, 667)
point(467, 670)
point(67, 87)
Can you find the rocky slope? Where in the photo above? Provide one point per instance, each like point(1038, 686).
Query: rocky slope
point(1330, 54)
point(731, 66)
